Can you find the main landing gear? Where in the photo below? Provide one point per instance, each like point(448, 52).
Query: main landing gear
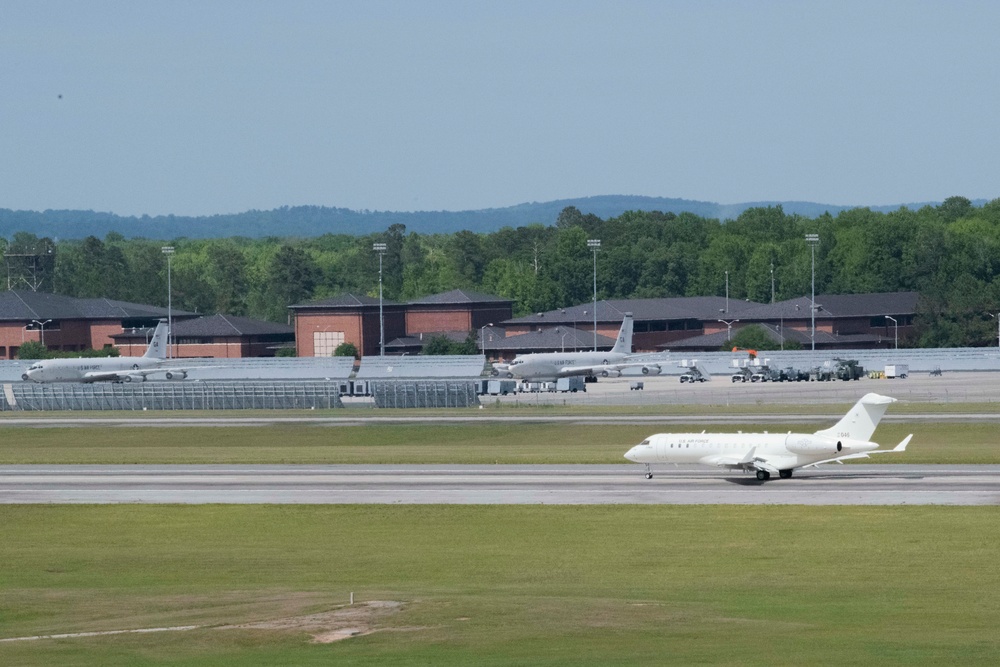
point(763, 475)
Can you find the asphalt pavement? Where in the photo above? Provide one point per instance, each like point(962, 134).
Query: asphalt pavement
point(833, 484)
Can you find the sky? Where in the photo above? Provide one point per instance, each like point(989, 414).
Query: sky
point(199, 108)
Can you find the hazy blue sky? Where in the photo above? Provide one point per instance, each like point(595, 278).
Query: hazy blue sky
point(222, 106)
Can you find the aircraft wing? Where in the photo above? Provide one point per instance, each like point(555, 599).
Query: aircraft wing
point(597, 369)
point(120, 376)
point(749, 462)
point(113, 376)
point(901, 447)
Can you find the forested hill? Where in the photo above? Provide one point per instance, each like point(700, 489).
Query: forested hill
point(309, 221)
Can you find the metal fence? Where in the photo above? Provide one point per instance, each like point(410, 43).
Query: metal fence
point(419, 367)
point(424, 394)
point(171, 396)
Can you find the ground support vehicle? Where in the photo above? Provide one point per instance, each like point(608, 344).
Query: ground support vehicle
point(896, 371)
point(848, 369)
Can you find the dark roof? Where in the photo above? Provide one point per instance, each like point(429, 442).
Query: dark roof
point(27, 305)
point(230, 325)
point(668, 308)
point(458, 296)
point(554, 338)
point(838, 305)
point(718, 339)
point(345, 301)
point(213, 326)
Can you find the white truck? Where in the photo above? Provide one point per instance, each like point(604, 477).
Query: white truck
point(896, 371)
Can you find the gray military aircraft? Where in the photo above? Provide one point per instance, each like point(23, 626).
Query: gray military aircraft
point(550, 366)
point(109, 369)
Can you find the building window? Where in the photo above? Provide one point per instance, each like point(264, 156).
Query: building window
point(325, 342)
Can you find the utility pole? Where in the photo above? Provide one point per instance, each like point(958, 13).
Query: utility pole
point(812, 240)
point(380, 248)
point(595, 245)
point(168, 250)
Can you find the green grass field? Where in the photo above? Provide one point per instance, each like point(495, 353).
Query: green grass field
point(491, 585)
point(485, 442)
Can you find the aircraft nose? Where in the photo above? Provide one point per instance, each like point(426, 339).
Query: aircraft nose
point(630, 454)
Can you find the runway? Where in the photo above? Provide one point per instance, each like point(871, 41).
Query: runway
point(888, 484)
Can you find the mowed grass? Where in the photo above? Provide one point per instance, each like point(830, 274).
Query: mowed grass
point(477, 442)
point(491, 585)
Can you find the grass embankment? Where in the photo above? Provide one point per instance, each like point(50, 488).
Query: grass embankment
point(966, 442)
point(492, 585)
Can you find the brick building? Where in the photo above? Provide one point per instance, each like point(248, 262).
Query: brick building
point(320, 326)
point(217, 336)
point(70, 324)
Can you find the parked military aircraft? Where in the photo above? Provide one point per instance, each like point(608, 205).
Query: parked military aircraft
point(549, 366)
point(769, 453)
point(108, 369)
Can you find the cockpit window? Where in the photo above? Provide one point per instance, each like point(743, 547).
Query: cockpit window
point(34, 367)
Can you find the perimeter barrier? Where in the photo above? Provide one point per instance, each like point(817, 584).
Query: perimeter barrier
point(424, 394)
point(171, 396)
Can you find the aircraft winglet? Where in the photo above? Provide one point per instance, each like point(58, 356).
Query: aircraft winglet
point(901, 447)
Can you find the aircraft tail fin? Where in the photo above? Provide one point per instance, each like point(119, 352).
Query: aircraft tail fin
point(860, 422)
point(158, 344)
point(624, 342)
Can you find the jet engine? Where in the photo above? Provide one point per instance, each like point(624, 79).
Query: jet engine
point(651, 370)
point(812, 444)
point(611, 374)
point(176, 375)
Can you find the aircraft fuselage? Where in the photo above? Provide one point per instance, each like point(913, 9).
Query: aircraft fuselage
point(79, 370)
point(745, 450)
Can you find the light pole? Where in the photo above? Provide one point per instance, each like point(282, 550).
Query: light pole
point(482, 336)
point(727, 292)
point(380, 248)
point(772, 282)
point(729, 328)
point(812, 240)
point(890, 317)
point(168, 250)
point(41, 327)
point(595, 245)
point(997, 317)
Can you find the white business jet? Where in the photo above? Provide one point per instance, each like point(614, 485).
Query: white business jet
point(108, 369)
point(768, 453)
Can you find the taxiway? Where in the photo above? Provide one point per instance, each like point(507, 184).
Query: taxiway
point(888, 484)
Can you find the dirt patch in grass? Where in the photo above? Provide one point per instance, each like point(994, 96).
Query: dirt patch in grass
point(330, 626)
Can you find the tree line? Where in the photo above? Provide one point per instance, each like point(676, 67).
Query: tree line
point(949, 253)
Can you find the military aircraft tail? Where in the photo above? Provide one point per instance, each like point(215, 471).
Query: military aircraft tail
point(860, 422)
point(158, 345)
point(624, 343)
